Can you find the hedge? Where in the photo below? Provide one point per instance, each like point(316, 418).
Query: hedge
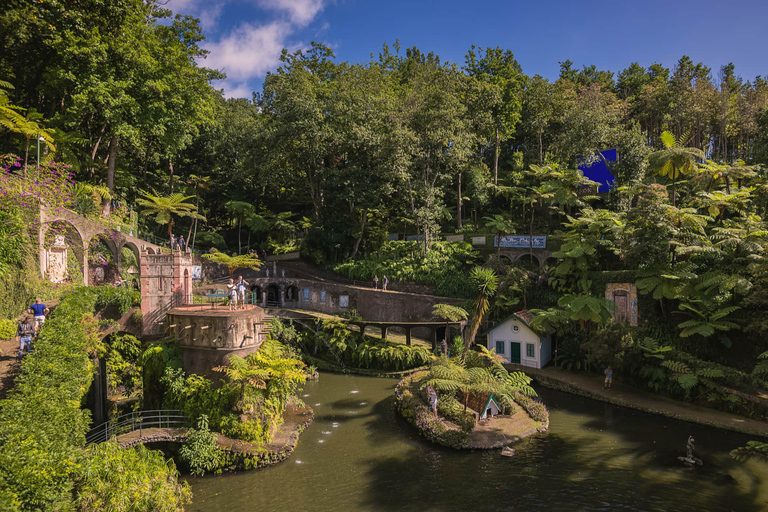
point(43, 465)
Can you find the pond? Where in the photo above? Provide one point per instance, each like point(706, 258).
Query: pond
point(360, 455)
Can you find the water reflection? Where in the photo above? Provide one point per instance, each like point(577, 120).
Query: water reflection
point(358, 454)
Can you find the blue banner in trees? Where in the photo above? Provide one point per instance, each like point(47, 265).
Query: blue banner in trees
point(520, 241)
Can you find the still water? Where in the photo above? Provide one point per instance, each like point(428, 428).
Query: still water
point(360, 455)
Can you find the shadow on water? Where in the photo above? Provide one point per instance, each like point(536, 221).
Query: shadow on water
point(359, 454)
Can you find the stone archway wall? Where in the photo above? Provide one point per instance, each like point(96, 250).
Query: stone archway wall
point(54, 255)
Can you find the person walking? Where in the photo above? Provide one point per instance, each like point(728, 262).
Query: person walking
point(375, 282)
point(444, 347)
point(242, 287)
point(24, 332)
point(232, 293)
point(608, 378)
point(384, 283)
point(39, 311)
point(182, 244)
point(173, 242)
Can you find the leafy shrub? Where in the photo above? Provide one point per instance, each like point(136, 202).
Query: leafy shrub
point(42, 431)
point(535, 409)
point(121, 298)
point(450, 409)
point(200, 452)
point(122, 357)
point(7, 329)
point(445, 267)
point(251, 431)
point(196, 396)
point(129, 479)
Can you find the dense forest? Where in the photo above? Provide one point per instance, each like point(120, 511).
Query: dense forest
point(344, 153)
point(107, 108)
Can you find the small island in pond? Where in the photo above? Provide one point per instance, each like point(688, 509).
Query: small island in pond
point(480, 405)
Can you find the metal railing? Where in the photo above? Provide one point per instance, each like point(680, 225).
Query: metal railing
point(217, 300)
point(131, 422)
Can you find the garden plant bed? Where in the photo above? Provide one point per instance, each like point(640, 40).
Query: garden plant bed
point(496, 432)
point(244, 455)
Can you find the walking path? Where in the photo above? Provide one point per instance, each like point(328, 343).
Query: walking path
point(591, 386)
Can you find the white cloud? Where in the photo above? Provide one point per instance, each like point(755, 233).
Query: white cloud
point(252, 48)
point(236, 89)
point(301, 12)
point(249, 51)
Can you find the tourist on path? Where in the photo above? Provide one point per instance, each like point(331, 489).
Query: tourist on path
point(39, 311)
point(242, 287)
point(375, 282)
point(608, 378)
point(432, 399)
point(384, 283)
point(444, 347)
point(232, 292)
point(24, 333)
point(182, 244)
point(173, 242)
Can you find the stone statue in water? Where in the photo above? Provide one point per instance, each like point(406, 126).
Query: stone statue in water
point(689, 458)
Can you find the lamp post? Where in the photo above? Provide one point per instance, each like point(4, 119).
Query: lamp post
point(40, 139)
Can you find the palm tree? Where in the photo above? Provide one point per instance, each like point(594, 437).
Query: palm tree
point(487, 282)
point(244, 373)
point(198, 183)
point(674, 160)
point(502, 224)
point(163, 208)
point(10, 118)
point(453, 376)
point(234, 262)
point(271, 369)
point(706, 319)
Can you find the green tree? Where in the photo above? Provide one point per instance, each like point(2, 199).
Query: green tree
point(498, 70)
point(486, 283)
point(673, 160)
point(234, 262)
point(164, 208)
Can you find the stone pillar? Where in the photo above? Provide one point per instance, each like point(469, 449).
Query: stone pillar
point(433, 335)
point(85, 262)
point(384, 330)
point(282, 296)
point(408, 335)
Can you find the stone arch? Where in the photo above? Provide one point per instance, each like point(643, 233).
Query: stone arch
point(57, 236)
point(291, 293)
point(528, 260)
point(273, 295)
point(103, 258)
point(257, 290)
point(506, 260)
point(550, 261)
point(131, 271)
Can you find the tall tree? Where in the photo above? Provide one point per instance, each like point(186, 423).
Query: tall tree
point(498, 70)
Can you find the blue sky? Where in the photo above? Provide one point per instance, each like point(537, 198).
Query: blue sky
point(245, 37)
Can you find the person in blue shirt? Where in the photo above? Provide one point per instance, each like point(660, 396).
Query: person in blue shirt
point(242, 287)
point(608, 378)
point(39, 311)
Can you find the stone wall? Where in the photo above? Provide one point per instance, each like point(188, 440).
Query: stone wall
point(208, 337)
point(334, 298)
